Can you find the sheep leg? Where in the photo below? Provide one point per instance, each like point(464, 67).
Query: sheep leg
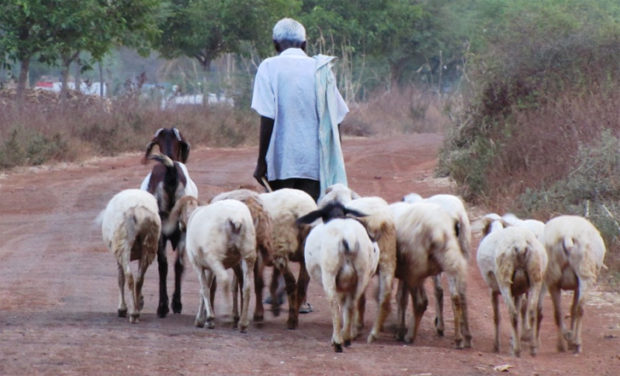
point(246, 266)
point(348, 308)
point(385, 297)
point(178, 276)
point(402, 297)
point(236, 283)
point(511, 303)
point(303, 280)
point(439, 323)
point(358, 315)
point(420, 303)
point(336, 324)
point(495, 303)
point(138, 286)
point(577, 316)
point(259, 284)
point(557, 314)
point(532, 318)
point(462, 335)
point(162, 262)
point(205, 310)
point(122, 306)
point(291, 291)
point(273, 290)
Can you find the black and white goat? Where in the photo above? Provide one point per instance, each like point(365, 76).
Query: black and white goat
point(168, 181)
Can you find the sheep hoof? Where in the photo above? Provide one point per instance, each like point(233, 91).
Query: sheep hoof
point(258, 317)
point(235, 322)
point(210, 323)
point(408, 339)
point(122, 312)
point(162, 310)
point(292, 323)
point(243, 328)
point(516, 353)
point(337, 347)
point(468, 342)
point(533, 351)
point(438, 327)
point(141, 302)
point(561, 346)
point(371, 338)
point(459, 344)
point(133, 318)
point(199, 323)
point(347, 343)
point(400, 334)
point(275, 309)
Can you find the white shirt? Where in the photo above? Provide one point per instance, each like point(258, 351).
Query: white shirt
point(284, 90)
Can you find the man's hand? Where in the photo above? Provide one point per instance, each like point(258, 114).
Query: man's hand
point(261, 171)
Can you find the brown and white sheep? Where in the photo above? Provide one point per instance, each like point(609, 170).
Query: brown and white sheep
point(455, 207)
point(576, 252)
point(512, 262)
point(130, 227)
point(285, 206)
point(427, 245)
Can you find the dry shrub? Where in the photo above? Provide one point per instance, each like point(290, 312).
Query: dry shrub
point(45, 129)
point(400, 110)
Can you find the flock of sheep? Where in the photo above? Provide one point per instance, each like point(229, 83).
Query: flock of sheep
point(342, 242)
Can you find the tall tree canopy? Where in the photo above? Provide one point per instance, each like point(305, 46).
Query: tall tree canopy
point(205, 29)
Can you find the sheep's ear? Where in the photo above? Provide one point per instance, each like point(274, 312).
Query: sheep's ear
point(310, 217)
point(354, 213)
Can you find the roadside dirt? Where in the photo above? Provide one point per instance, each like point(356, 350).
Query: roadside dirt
point(59, 292)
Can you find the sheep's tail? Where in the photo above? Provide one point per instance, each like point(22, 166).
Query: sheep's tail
point(579, 258)
point(520, 275)
point(346, 279)
point(143, 230)
point(235, 227)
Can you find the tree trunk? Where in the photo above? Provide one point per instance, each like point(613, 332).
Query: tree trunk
point(22, 81)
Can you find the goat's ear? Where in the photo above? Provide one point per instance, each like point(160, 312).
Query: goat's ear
point(183, 151)
point(310, 217)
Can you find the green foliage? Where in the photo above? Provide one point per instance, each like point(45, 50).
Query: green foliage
point(31, 148)
point(205, 29)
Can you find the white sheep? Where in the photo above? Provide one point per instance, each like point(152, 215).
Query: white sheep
point(264, 248)
point(534, 225)
point(340, 255)
point(220, 236)
point(462, 228)
point(512, 262)
point(285, 206)
point(427, 245)
point(130, 227)
point(576, 252)
point(380, 225)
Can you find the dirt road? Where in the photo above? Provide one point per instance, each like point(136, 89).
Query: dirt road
point(58, 291)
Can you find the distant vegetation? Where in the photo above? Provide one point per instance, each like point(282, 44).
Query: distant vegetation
point(525, 91)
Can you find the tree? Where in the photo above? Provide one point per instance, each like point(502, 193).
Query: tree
point(56, 31)
point(205, 29)
point(23, 35)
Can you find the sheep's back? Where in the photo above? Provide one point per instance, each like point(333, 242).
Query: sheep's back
point(573, 240)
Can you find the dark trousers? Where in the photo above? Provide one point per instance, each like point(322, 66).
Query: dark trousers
point(311, 187)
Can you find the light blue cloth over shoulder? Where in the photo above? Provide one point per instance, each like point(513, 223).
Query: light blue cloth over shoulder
point(330, 112)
